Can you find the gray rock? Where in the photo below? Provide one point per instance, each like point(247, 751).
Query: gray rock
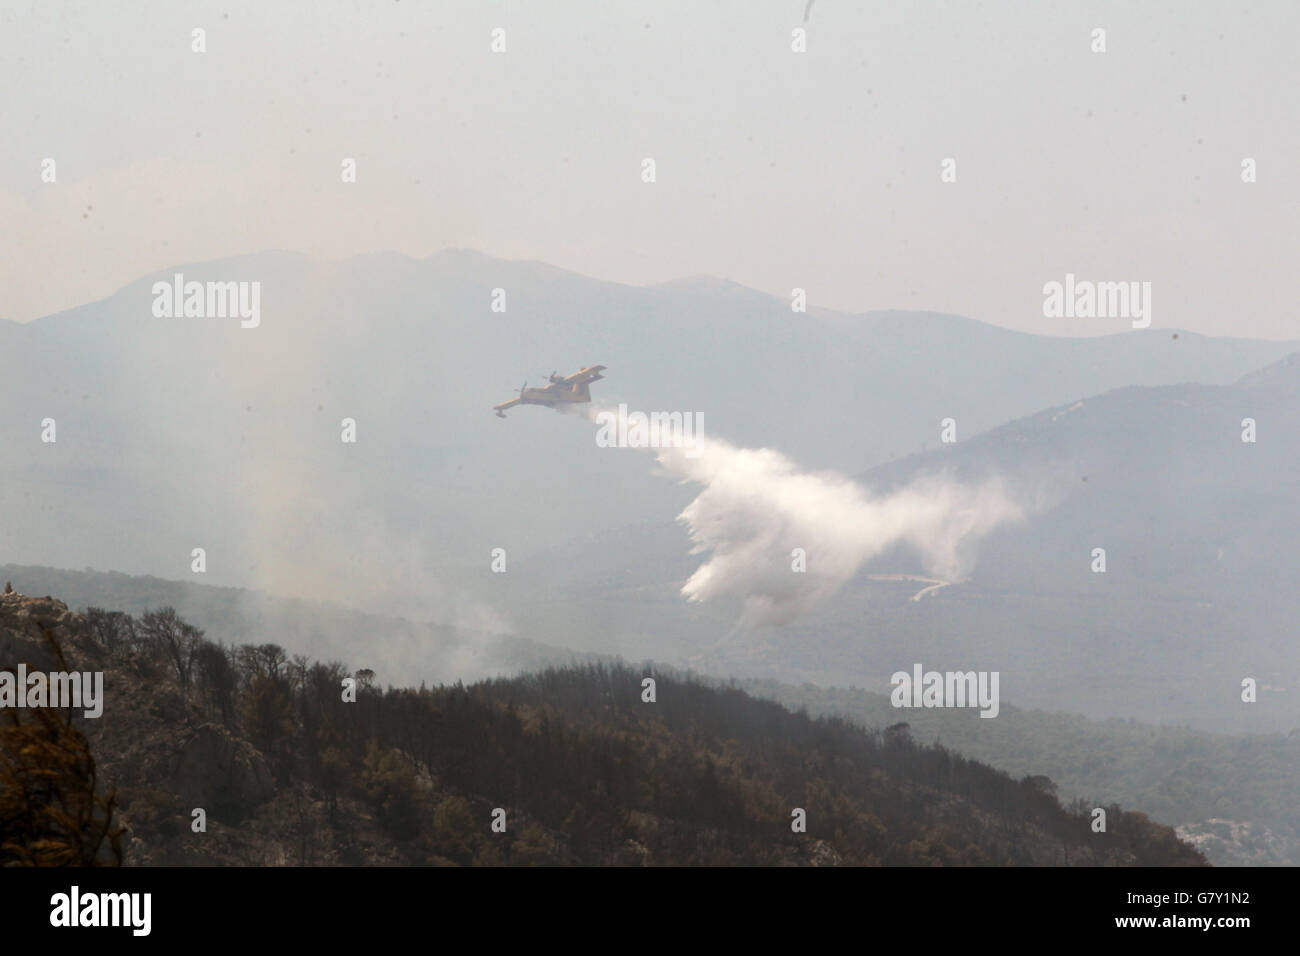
point(220, 773)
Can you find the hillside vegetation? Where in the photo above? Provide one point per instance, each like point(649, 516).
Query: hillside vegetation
point(585, 771)
point(1234, 794)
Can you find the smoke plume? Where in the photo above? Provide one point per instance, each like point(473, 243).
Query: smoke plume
point(758, 507)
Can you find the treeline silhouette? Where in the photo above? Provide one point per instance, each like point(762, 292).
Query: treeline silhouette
point(1176, 774)
point(585, 771)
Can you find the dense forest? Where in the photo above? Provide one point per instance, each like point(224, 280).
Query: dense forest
point(1233, 794)
point(293, 761)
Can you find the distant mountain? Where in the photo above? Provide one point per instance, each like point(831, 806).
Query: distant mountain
point(183, 433)
point(1282, 374)
point(1198, 593)
point(397, 650)
point(573, 765)
point(1199, 530)
point(1159, 477)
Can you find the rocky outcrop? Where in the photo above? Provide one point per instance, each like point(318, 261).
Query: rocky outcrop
point(21, 621)
point(221, 773)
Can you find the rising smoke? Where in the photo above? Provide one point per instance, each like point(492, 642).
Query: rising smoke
point(758, 506)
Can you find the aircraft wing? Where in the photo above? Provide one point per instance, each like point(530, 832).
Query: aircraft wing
point(500, 409)
point(584, 376)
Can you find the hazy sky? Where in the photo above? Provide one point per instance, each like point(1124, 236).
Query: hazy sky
point(775, 169)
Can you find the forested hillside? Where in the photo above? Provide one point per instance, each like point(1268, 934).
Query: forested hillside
point(1235, 792)
point(582, 769)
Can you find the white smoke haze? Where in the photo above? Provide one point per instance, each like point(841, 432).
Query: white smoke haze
point(757, 506)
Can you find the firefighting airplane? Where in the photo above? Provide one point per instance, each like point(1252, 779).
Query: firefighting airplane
point(562, 391)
